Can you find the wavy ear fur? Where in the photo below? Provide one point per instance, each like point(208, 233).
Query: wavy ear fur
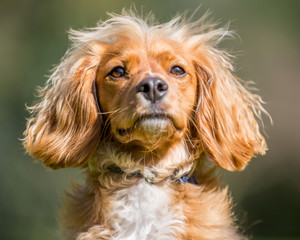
point(226, 113)
point(64, 127)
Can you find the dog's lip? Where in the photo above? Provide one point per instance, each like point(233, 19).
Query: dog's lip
point(153, 116)
point(159, 116)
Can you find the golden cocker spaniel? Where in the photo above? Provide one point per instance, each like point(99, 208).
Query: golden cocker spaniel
point(143, 108)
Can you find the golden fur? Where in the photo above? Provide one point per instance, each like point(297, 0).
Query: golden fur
point(205, 113)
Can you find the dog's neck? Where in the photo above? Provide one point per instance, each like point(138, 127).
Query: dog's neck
point(113, 164)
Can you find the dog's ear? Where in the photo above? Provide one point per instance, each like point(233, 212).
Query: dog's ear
point(226, 114)
point(64, 127)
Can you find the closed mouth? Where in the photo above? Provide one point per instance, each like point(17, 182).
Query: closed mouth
point(158, 116)
point(142, 119)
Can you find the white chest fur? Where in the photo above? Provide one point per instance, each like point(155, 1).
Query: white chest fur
point(143, 212)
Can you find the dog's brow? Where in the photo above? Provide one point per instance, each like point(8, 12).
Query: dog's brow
point(124, 56)
point(168, 56)
point(164, 54)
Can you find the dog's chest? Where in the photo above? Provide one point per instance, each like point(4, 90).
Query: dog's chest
point(144, 212)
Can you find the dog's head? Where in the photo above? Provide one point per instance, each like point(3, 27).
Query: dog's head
point(146, 86)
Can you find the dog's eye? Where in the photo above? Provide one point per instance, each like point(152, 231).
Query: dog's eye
point(117, 72)
point(177, 71)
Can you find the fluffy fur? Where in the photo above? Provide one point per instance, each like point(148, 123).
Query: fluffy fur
point(135, 146)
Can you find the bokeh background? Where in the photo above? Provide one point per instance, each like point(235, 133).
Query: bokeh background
point(33, 38)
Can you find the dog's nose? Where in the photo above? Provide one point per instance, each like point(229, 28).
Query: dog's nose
point(152, 88)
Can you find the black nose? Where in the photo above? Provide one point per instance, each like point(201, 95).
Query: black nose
point(152, 88)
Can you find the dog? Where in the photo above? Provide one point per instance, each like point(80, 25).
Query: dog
point(148, 111)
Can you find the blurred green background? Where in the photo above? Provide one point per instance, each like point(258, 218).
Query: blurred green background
point(33, 38)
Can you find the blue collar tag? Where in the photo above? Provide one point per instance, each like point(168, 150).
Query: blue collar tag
point(185, 180)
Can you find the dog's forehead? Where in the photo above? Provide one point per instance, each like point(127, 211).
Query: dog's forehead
point(145, 50)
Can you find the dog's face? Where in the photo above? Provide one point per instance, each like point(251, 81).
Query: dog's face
point(148, 90)
point(156, 85)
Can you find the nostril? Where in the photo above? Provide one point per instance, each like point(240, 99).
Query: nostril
point(162, 87)
point(146, 88)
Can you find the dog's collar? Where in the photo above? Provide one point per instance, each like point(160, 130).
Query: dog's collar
point(137, 174)
point(111, 166)
point(153, 178)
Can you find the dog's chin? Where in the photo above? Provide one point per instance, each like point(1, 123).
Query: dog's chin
point(149, 131)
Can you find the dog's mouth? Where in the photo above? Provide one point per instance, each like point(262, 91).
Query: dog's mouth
point(150, 124)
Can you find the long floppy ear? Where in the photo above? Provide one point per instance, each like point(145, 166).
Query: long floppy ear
point(64, 127)
point(226, 112)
